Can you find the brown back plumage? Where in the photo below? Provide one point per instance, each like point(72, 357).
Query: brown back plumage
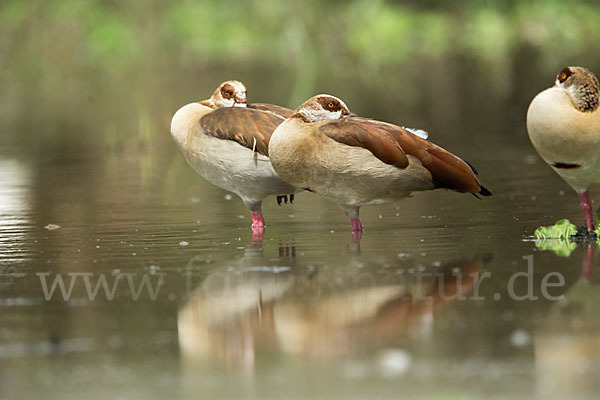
point(282, 111)
point(391, 144)
point(252, 128)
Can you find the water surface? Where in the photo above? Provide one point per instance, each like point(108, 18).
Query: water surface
point(420, 307)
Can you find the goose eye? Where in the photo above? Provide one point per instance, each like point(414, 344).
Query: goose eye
point(563, 76)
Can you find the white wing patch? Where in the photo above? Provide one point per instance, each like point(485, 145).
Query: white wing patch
point(419, 132)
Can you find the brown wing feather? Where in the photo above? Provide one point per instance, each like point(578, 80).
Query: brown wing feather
point(391, 144)
point(282, 111)
point(449, 170)
point(354, 132)
point(242, 125)
point(452, 172)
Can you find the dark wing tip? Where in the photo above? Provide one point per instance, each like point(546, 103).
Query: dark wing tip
point(484, 191)
point(472, 167)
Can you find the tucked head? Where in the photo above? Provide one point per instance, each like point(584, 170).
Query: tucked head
point(322, 107)
point(581, 85)
point(229, 94)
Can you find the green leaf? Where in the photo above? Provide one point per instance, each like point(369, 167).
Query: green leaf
point(562, 247)
point(563, 229)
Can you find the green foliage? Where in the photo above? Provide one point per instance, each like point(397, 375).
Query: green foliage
point(563, 229)
point(375, 32)
point(557, 238)
point(211, 28)
point(489, 35)
point(561, 247)
point(110, 38)
point(385, 33)
point(130, 47)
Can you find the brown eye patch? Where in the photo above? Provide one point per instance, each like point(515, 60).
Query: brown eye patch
point(227, 91)
point(564, 74)
point(330, 104)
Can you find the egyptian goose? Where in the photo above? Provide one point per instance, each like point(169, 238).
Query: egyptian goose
point(357, 161)
point(564, 126)
point(226, 141)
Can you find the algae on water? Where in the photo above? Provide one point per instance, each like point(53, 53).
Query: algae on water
point(562, 247)
point(559, 237)
point(563, 229)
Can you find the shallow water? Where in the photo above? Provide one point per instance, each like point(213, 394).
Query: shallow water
point(425, 305)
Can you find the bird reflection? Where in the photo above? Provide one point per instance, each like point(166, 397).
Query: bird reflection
point(233, 306)
point(321, 309)
point(258, 233)
point(567, 345)
point(565, 247)
point(587, 265)
point(356, 236)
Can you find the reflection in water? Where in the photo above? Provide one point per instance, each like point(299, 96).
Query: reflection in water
point(587, 265)
point(282, 314)
point(15, 209)
point(14, 195)
point(565, 247)
point(286, 304)
point(258, 233)
point(233, 307)
point(567, 345)
point(299, 304)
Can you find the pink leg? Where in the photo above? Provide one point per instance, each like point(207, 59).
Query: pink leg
point(587, 265)
point(258, 234)
point(257, 220)
point(586, 207)
point(292, 198)
point(356, 225)
point(356, 235)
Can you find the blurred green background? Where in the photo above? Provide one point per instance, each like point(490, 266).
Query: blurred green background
point(119, 69)
point(87, 92)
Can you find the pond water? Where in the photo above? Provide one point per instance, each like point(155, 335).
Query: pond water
point(443, 297)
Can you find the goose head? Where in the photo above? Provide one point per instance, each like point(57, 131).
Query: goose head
point(581, 85)
point(322, 107)
point(229, 94)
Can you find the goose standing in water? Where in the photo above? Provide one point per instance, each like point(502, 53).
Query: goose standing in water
point(356, 161)
point(226, 141)
point(563, 123)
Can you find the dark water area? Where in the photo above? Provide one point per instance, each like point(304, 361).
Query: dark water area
point(430, 303)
